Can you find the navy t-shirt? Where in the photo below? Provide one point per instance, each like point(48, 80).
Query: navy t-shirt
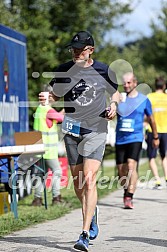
point(84, 92)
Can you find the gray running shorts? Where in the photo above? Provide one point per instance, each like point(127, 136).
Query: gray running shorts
point(88, 146)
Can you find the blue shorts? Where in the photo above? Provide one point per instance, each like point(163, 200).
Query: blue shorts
point(151, 151)
point(87, 146)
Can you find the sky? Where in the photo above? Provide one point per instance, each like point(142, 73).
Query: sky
point(137, 22)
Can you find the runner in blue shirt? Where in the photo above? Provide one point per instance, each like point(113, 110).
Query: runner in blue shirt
point(129, 135)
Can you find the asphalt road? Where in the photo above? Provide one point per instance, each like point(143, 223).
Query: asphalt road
point(142, 229)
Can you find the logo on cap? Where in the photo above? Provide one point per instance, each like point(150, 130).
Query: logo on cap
point(76, 38)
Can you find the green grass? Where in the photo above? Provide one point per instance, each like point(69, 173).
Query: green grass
point(28, 215)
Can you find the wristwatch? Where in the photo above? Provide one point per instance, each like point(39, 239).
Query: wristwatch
point(156, 138)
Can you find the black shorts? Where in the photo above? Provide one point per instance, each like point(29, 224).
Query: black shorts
point(88, 146)
point(126, 151)
point(152, 152)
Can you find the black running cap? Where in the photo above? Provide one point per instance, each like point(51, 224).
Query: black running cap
point(81, 39)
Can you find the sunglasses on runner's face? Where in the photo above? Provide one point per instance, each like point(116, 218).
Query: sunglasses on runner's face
point(73, 50)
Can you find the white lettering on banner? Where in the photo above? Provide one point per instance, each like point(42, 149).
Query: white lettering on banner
point(9, 111)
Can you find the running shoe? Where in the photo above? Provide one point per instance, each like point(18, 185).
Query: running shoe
point(94, 228)
point(83, 242)
point(157, 187)
point(128, 204)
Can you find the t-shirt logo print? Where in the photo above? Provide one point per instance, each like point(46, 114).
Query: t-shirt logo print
point(84, 93)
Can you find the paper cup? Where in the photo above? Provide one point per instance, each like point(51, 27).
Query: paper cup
point(46, 95)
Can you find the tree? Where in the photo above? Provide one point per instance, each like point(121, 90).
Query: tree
point(133, 54)
point(156, 46)
point(49, 25)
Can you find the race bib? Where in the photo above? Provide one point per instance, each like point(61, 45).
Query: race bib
point(70, 126)
point(127, 125)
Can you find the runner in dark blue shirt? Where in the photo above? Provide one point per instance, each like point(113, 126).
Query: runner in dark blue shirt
point(83, 83)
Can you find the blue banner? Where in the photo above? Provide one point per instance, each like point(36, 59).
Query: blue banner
point(13, 85)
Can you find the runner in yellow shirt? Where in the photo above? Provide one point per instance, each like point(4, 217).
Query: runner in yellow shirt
point(159, 106)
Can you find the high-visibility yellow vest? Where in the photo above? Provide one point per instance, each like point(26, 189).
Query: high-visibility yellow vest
point(49, 135)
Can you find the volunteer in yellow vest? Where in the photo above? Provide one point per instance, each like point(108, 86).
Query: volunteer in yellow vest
point(159, 105)
point(45, 120)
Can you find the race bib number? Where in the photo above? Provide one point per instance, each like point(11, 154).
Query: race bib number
point(127, 125)
point(70, 126)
